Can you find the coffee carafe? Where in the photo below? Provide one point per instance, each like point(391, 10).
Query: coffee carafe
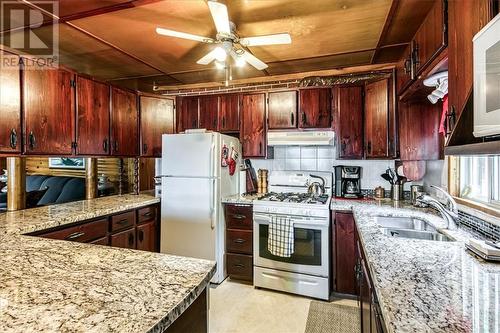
point(348, 181)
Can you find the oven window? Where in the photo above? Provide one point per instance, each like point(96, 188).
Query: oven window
point(307, 247)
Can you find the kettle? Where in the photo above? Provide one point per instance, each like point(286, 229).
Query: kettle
point(315, 188)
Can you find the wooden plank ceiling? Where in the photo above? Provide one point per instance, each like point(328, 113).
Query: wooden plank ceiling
point(115, 40)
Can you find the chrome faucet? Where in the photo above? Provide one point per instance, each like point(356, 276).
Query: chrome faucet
point(449, 211)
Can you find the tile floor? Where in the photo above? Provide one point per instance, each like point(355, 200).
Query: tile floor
point(240, 308)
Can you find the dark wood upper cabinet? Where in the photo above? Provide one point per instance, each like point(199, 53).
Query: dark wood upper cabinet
point(49, 111)
point(157, 118)
point(431, 38)
point(209, 112)
point(315, 108)
point(419, 137)
point(465, 19)
point(229, 113)
point(253, 128)
point(124, 123)
point(404, 71)
point(377, 119)
point(93, 117)
point(10, 106)
point(344, 253)
point(349, 121)
point(187, 113)
point(282, 110)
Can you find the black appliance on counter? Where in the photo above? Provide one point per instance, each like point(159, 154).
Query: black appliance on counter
point(348, 182)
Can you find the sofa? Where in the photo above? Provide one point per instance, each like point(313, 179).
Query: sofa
point(58, 189)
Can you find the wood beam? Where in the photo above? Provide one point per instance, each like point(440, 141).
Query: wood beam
point(387, 24)
point(16, 183)
point(91, 178)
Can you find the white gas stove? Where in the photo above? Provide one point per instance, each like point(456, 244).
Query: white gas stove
point(306, 271)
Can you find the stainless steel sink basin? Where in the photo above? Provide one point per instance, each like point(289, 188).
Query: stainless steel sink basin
point(409, 223)
point(410, 227)
point(425, 235)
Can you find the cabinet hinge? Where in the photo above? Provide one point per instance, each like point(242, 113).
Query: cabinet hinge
point(72, 83)
point(74, 144)
point(267, 100)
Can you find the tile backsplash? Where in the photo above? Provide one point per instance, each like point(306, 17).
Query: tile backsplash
point(322, 158)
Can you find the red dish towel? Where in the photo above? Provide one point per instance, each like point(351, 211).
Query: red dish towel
point(442, 128)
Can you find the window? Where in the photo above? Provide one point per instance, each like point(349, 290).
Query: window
point(480, 179)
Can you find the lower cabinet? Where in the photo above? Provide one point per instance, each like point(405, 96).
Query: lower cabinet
point(239, 241)
point(135, 229)
point(343, 253)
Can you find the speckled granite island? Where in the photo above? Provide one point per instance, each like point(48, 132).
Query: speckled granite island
point(426, 286)
point(60, 286)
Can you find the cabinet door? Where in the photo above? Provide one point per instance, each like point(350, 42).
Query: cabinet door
point(157, 118)
point(345, 253)
point(349, 121)
point(376, 119)
point(93, 115)
point(124, 120)
point(146, 237)
point(124, 239)
point(49, 111)
point(187, 113)
point(404, 71)
point(431, 37)
point(465, 19)
point(282, 110)
point(209, 111)
point(10, 105)
point(253, 129)
point(229, 114)
point(315, 108)
point(419, 137)
point(365, 297)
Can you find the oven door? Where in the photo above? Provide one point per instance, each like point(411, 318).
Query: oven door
point(310, 245)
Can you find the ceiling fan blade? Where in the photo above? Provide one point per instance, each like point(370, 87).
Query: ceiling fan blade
point(220, 16)
point(208, 58)
point(172, 33)
point(254, 61)
point(266, 40)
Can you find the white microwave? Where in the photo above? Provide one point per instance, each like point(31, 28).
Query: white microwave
point(487, 80)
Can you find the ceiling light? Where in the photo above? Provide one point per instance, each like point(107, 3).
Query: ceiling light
point(220, 54)
point(220, 64)
point(433, 98)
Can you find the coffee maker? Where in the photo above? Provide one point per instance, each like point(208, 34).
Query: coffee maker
point(348, 182)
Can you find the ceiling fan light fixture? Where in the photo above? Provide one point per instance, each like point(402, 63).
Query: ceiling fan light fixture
point(220, 54)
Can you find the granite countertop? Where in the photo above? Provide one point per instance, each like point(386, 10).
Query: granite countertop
point(59, 286)
point(426, 286)
point(239, 199)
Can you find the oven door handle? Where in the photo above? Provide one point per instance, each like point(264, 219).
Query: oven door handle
point(315, 224)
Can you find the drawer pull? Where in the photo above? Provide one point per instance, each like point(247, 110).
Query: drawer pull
point(130, 240)
point(239, 216)
point(74, 235)
point(148, 214)
point(122, 222)
point(239, 265)
point(239, 241)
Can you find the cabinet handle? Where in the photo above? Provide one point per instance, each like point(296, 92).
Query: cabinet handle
point(369, 147)
point(32, 140)
point(223, 122)
point(239, 216)
point(407, 66)
point(292, 118)
point(260, 148)
point(130, 239)
point(74, 235)
point(122, 222)
point(141, 235)
point(145, 148)
point(115, 146)
point(239, 241)
point(13, 138)
point(239, 265)
point(147, 214)
point(105, 145)
point(304, 118)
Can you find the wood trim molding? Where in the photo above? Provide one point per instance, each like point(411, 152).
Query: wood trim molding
point(484, 208)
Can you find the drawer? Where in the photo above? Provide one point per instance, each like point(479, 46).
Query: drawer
point(101, 241)
point(122, 221)
point(239, 241)
point(146, 214)
point(82, 233)
point(239, 266)
point(239, 217)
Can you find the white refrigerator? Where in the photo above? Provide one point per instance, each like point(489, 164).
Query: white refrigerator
point(193, 184)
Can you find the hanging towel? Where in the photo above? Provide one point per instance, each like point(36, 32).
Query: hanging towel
point(281, 237)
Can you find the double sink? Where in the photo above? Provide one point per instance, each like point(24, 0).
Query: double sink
point(410, 227)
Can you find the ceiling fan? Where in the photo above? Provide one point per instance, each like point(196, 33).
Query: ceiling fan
point(227, 41)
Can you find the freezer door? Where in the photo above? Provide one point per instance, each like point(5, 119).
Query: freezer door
point(189, 217)
point(189, 155)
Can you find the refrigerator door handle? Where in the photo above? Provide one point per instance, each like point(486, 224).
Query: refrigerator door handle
point(212, 205)
point(211, 159)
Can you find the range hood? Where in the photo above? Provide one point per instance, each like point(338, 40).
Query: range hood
point(296, 138)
